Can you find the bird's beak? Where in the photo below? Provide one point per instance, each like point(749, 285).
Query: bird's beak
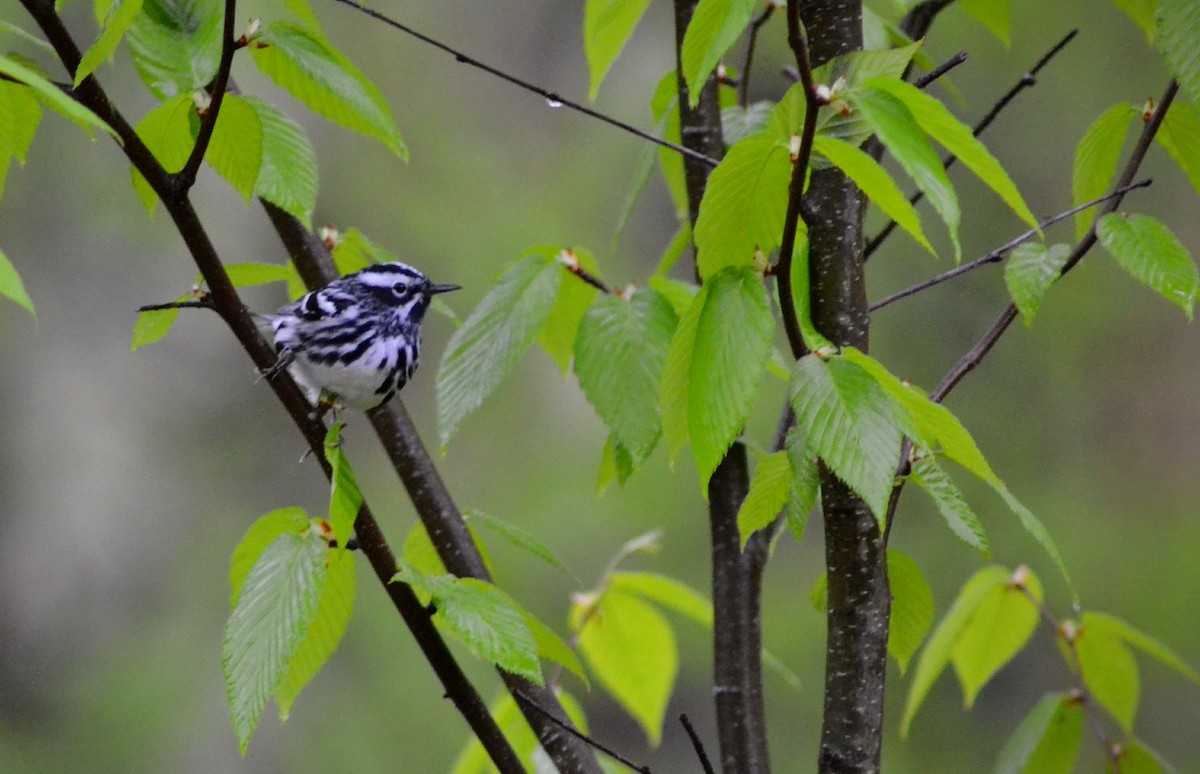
point(435, 289)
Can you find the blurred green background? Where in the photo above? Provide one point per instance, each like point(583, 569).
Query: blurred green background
point(128, 478)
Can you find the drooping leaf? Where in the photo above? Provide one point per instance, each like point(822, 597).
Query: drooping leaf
point(518, 536)
point(274, 610)
point(324, 634)
point(485, 350)
point(574, 298)
point(619, 357)
point(1110, 673)
point(733, 344)
point(288, 175)
point(744, 205)
point(955, 136)
point(945, 637)
point(620, 624)
point(11, 286)
point(992, 14)
point(1047, 741)
point(486, 619)
point(261, 534)
point(1178, 31)
point(1001, 623)
point(169, 131)
point(120, 15)
point(1180, 135)
point(1131, 635)
point(676, 377)
point(236, 148)
point(1030, 271)
point(327, 82)
point(963, 522)
point(912, 607)
point(20, 113)
point(152, 326)
point(806, 482)
point(876, 183)
point(54, 97)
point(897, 128)
point(176, 45)
point(714, 27)
point(770, 487)
point(1096, 158)
point(554, 648)
point(607, 25)
point(345, 498)
point(848, 422)
point(1153, 255)
point(1142, 14)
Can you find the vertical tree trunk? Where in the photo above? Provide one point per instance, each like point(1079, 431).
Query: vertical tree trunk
point(855, 557)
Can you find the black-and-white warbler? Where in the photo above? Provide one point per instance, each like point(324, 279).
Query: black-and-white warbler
point(359, 338)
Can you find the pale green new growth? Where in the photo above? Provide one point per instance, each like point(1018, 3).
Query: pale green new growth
point(1096, 158)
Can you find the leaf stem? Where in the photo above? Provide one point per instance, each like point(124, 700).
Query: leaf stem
point(184, 179)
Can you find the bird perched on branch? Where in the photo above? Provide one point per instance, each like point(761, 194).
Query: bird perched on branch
point(358, 339)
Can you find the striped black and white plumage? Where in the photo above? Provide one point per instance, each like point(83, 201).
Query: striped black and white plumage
point(359, 338)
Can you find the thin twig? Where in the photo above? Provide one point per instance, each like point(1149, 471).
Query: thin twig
point(791, 221)
point(940, 70)
point(570, 729)
point(185, 178)
point(996, 255)
point(202, 303)
point(1027, 80)
point(744, 87)
point(552, 98)
point(697, 745)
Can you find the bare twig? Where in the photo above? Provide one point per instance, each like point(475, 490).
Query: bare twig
point(570, 729)
point(552, 98)
point(201, 303)
point(697, 745)
point(1027, 80)
point(755, 26)
point(185, 178)
point(996, 255)
point(940, 70)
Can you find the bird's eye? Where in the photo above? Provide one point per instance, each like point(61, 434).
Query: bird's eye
point(400, 288)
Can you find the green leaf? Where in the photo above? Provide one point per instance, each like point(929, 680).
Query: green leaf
point(22, 34)
point(1137, 758)
point(733, 344)
point(770, 487)
point(315, 73)
point(345, 498)
point(20, 113)
point(250, 274)
point(958, 138)
point(666, 591)
point(664, 107)
point(999, 626)
point(856, 67)
point(486, 619)
point(1153, 255)
point(619, 462)
point(848, 422)
point(485, 350)
point(176, 45)
point(261, 534)
point(992, 14)
point(574, 298)
point(11, 286)
point(518, 537)
point(288, 175)
point(744, 205)
point(876, 183)
point(897, 128)
point(169, 131)
point(1110, 674)
point(1130, 635)
point(554, 648)
point(616, 626)
point(1030, 271)
point(474, 758)
point(152, 326)
point(806, 482)
point(236, 149)
point(679, 294)
point(607, 25)
point(676, 376)
point(912, 607)
point(354, 251)
point(1096, 158)
point(1035, 528)
point(329, 624)
point(927, 474)
point(1142, 14)
point(53, 96)
point(1180, 135)
point(1048, 739)
point(714, 27)
point(419, 553)
point(1178, 31)
point(274, 610)
point(619, 356)
point(942, 642)
point(120, 15)
point(738, 123)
